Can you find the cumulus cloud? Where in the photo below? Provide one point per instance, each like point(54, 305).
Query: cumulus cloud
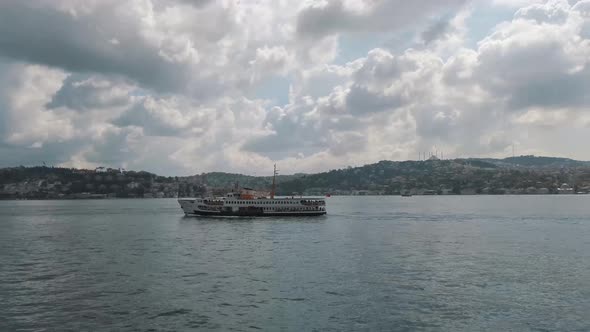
point(172, 85)
point(90, 93)
point(77, 41)
point(334, 16)
point(436, 31)
point(539, 59)
point(162, 46)
point(166, 117)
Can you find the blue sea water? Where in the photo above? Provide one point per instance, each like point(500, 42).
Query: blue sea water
point(464, 263)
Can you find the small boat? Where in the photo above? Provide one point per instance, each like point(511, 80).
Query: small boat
point(249, 203)
point(406, 194)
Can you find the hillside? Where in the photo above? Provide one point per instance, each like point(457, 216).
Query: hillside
point(537, 162)
point(228, 180)
point(519, 175)
point(460, 176)
point(56, 182)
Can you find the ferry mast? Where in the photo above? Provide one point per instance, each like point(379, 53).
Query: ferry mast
point(274, 175)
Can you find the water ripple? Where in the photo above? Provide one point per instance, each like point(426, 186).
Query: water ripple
point(373, 263)
point(172, 313)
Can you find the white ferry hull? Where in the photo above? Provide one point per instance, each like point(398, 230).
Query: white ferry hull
point(262, 208)
point(253, 214)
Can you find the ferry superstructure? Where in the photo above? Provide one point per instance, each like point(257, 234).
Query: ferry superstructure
point(247, 202)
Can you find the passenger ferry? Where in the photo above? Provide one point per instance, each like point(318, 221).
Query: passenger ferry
point(247, 202)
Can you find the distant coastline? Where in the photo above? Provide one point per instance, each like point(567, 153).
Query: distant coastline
point(524, 175)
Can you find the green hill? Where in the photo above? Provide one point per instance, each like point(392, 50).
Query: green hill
point(517, 175)
point(544, 162)
point(539, 175)
point(228, 180)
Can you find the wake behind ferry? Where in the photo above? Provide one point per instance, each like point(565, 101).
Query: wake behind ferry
point(248, 202)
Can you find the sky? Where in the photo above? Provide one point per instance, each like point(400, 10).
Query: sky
point(180, 87)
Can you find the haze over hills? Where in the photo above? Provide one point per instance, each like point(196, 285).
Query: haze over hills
point(515, 175)
point(227, 180)
point(536, 162)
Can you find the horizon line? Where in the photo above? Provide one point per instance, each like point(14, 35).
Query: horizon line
point(317, 172)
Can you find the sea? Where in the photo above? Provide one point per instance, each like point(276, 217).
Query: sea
point(422, 263)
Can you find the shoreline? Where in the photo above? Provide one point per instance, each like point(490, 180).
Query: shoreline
point(150, 198)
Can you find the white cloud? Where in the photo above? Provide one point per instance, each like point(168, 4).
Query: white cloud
point(29, 88)
point(335, 16)
point(171, 85)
